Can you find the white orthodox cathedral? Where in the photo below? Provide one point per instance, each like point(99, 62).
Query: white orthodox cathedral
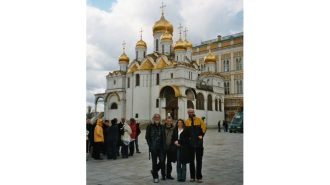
point(166, 81)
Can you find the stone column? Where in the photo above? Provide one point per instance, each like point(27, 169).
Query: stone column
point(162, 105)
point(182, 104)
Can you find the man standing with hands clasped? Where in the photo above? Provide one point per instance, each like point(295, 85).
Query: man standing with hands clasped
point(196, 129)
point(155, 136)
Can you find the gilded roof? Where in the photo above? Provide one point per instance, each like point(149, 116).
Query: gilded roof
point(134, 67)
point(146, 65)
point(162, 25)
point(160, 64)
point(115, 73)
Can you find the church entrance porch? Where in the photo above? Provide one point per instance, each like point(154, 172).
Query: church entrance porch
point(170, 95)
point(172, 108)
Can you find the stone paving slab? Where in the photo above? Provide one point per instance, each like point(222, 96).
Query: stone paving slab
point(222, 164)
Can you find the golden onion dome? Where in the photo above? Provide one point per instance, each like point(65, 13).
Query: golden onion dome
point(141, 43)
point(123, 58)
point(166, 37)
point(210, 57)
point(162, 25)
point(188, 44)
point(179, 45)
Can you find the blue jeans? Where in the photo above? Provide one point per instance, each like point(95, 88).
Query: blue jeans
point(180, 167)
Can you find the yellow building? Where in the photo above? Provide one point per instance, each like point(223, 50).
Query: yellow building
point(228, 51)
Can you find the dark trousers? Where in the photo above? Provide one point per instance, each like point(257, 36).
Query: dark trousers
point(87, 146)
point(137, 143)
point(158, 154)
point(196, 172)
point(131, 148)
point(168, 163)
point(97, 150)
point(181, 167)
point(119, 143)
point(112, 150)
point(124, 150)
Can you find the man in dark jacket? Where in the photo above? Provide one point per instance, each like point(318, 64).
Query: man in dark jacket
point(196, 128)
point(155, 136)
point(169, 147)
point(112, 139)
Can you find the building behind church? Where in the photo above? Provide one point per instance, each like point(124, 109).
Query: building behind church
point(174, 77)
point(229, 63)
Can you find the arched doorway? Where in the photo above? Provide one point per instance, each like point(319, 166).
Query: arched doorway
point(171, 101)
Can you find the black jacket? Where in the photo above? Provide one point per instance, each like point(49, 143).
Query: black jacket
point(112, 133)
point(184, 144)
point(155, 136)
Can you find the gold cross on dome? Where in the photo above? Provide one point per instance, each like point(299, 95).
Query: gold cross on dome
point(185, 33)
point(141, 33)
point(162, 7)
point(180, 27)
point(124, 44)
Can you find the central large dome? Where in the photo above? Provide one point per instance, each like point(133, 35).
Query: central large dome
point(162, 25)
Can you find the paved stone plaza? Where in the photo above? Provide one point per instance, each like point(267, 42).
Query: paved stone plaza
point(222, 164)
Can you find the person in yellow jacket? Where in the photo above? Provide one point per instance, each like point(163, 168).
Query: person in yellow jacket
point(196, 129)
point(98, 139)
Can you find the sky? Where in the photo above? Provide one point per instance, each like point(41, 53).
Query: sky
point(110, 22)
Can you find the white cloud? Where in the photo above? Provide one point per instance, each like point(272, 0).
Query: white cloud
point(107, 29)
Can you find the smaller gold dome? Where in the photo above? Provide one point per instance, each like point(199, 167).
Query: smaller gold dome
point(179, 45)
point(166, 36)
point(123, 58)
point(210, 57)
point(188, 44)
point(141, 44)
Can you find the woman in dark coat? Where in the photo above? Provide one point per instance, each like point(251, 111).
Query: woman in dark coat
point(112, 139)
point(180, 140)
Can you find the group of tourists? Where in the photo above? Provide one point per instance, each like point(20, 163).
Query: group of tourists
point(112, 140)
point(182, 143)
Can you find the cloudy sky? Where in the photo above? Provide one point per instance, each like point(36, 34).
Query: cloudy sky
point(110, 22)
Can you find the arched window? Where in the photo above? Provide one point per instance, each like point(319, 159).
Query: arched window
point(156, 44)
point(238, 88)
point(216, 105)
point(220, 105)
point(209, 102)
point(157, 103)
point(137, 80)
point(144, 54)
point(136, 55)
point(226, 65)
point(114, 106)
point(199, 101)
point(157, 79)
point(190, 104)
point(163, 48)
